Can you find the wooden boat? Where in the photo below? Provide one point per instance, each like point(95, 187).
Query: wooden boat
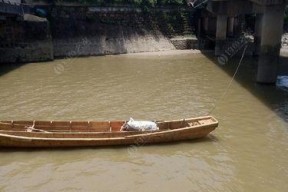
point(49, 134)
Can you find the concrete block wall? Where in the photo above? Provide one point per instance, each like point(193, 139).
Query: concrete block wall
point(24, 41)
point(72, 31)
point(79, 31)
point(27, 52)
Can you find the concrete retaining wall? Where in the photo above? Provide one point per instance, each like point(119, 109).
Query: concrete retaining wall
point(24, 40)
point(79, 31)
point(82, 31)
point(29, 52)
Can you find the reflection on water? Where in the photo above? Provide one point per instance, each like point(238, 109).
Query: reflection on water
point(282, 82)
point(248, 152)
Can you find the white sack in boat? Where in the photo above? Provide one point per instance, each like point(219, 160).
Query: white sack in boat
point(133, 125)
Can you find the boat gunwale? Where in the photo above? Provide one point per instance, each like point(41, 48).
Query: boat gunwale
point(214, 121)
point(146, 134)
point(11, 122)
point(137, 133)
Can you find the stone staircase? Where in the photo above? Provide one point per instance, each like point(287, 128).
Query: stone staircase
point(176, 24)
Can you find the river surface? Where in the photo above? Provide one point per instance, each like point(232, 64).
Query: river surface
point(247, 152)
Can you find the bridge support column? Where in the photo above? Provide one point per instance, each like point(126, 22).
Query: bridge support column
point(257, 35)
point(231, 26)
point(271, 29)
point(206, 24)
point(221, 32)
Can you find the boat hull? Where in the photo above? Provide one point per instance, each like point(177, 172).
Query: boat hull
point(24, 139)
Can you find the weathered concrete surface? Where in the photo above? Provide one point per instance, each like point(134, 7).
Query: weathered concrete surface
point(29, 52)
point(107, 44)
point(182, 42)
point(84, 31)
point(81, 31)
point(221, 34)
point(26, 40)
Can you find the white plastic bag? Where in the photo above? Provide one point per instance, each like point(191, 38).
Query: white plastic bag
point(133, 125)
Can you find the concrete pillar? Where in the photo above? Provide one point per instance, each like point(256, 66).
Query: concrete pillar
point(206, 24)
point(237, 26)
point(231, 26)
point(270, 42)
point(257, 35)
point(199, 27)
point(221, 32)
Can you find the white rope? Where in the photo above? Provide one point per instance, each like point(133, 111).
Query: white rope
point(230, 83)
point(33, 129)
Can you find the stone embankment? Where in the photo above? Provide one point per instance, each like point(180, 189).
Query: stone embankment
point(84, 31)
point(78, 31)
point(25, 40)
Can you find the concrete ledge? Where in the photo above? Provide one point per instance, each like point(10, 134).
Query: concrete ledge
point(182, 43)
point(284, 52)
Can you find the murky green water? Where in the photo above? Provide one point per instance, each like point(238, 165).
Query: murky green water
point(248, 152)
